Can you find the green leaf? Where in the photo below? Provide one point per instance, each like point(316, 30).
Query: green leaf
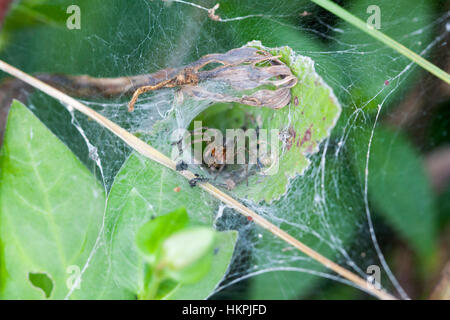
point(306, 121)
point(42, 281)
point(398, 187)
point(151, 235)
point(51, 210)
point(143, 190)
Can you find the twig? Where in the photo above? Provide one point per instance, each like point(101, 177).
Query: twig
point(153, 154)
point(437, 164)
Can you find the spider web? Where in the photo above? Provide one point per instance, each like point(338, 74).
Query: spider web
point(324, 207)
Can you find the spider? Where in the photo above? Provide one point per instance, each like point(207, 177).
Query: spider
point(214, 157)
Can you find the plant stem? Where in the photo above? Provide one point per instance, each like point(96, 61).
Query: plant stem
point(148, 151)
point(363, 26)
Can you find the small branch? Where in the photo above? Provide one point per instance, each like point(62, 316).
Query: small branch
point(153, 154)
point(364, 27)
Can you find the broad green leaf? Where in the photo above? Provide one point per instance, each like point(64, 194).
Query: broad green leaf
point(51, 210)
point(151, 235)
point(143, 190)
point(398, 187)
point(302, 126)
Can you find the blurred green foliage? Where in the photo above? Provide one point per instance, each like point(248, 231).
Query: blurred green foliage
point(120, 38)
